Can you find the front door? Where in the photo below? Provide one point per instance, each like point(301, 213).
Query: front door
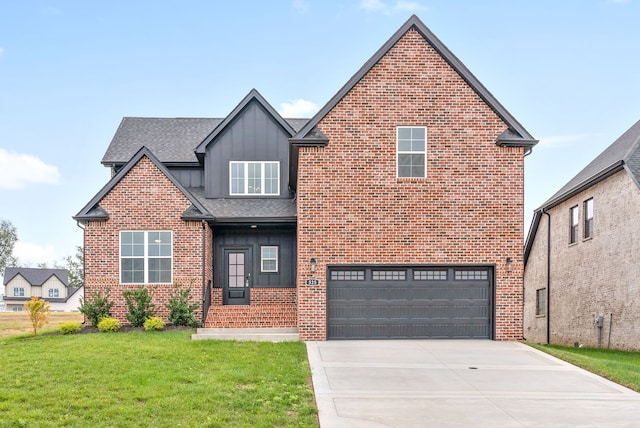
point(237, 276)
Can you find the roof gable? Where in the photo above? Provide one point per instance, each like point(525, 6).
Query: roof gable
point(517, 135)
point(252, 97)
point(36, 276)
point(94, 212)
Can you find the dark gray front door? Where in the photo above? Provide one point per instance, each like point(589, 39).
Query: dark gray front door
point(412, 302)
point(237, 276)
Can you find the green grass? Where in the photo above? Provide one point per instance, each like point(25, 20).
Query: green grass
point(622, 367)
point(153, 380)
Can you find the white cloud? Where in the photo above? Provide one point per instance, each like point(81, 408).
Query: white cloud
point(397, 6)
point(297, 108)
point(301, 6)
point(31, 255)
point(17, 170)
point(562, 141)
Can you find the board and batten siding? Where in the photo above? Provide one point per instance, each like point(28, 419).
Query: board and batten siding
point(18, 282)
point(253, 136)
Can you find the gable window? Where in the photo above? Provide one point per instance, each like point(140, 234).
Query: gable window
point(411, 151)
point(146, 257)
point(269, 259)
point(54, 292)
point(573, 225)
point(254, 178)
point(18, 292)
point(541, 301)
point(588, 218)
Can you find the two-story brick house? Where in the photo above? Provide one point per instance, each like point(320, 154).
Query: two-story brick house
point(395, 212)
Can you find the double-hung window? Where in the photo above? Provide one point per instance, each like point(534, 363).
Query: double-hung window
point(254, 178)
point(269, 259)
point(588, 218)
point(54, 292)
point(411, 151)
point(573, 225)
point(18, 292)
point(146, 257)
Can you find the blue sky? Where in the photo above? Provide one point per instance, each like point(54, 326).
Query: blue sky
point(569, 71)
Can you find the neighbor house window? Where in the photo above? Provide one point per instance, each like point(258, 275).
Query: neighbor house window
point(146, 257)
point(541, 301)
point(17, 309)
point(412, 151)
point(269, 259)
point(573, 225)
point(588, 218)
point(54, 292)
point(254, 178)
point(18, 292)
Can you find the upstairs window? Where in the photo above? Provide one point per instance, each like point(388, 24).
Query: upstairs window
point(18, 292)
point(54, 292)
point(145, 257)
point(254, 178)
point(412, 151)
point(588, 218)
point(573, 225)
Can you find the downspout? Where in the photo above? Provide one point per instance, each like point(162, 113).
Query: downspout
point(548, 275)
point(84, 273)
point(204, 257)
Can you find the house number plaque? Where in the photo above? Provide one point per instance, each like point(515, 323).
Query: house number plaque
point(312, 281)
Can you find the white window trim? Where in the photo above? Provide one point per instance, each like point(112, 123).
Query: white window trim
point(413, 152)
point(146, 256)
point(18, 292)
point(53, 292)
point(263, 258)
point(246, 178)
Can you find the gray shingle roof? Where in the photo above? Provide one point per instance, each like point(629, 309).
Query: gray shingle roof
point(623, 152)
point(171, 140)
point(36, 276)
point(247, 210)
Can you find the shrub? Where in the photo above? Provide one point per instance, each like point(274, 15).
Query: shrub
point(181, 312)
point(38, 312)
point(140, 306)
point(109, 324)
point(70, 327)
point(97, 307)
point(153, 324)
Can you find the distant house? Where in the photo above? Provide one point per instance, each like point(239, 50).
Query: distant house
point(582, 255)
point(395, 212)
point(50, 284)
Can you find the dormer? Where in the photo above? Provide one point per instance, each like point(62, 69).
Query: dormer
point(248, 154)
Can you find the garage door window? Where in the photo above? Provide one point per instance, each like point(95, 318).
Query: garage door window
point(389, 275)
point(430, 275)
point(471, 275)
point(347, 275)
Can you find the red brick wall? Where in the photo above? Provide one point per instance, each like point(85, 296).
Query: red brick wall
point(145, 199)
point(353, 209)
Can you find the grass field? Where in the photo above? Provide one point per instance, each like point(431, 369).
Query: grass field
point(15, 323)
point(622, 367)
point(160, 379)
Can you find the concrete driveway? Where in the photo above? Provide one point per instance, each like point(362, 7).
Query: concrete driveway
point(444, 383)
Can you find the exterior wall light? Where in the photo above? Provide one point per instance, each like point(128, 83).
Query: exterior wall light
point(509, 264)
point(312, 264)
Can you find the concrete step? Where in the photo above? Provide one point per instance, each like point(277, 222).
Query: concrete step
point(264, 334)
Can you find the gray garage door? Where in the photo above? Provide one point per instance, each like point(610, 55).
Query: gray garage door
point(379, 302)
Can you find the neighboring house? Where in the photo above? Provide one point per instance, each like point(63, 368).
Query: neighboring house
point(50, 284)
point(395, 212)
point(581, 255)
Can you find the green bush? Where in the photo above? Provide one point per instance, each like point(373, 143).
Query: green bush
point(140, 306)
point(70, 327)
point(109, 324)
point(96, 307)
point(153, 324)
point(181, 312)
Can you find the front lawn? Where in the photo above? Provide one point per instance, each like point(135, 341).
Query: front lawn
point(621, 367)
point(160, 379)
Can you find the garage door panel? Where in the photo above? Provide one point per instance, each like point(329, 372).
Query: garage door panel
point(435, 305)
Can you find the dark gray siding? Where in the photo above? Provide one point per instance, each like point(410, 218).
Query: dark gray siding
point(284, 238)
point(189, 177)
point(253, 136)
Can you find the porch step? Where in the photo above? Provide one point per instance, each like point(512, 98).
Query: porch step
point(252, 316)
point(262, 334)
